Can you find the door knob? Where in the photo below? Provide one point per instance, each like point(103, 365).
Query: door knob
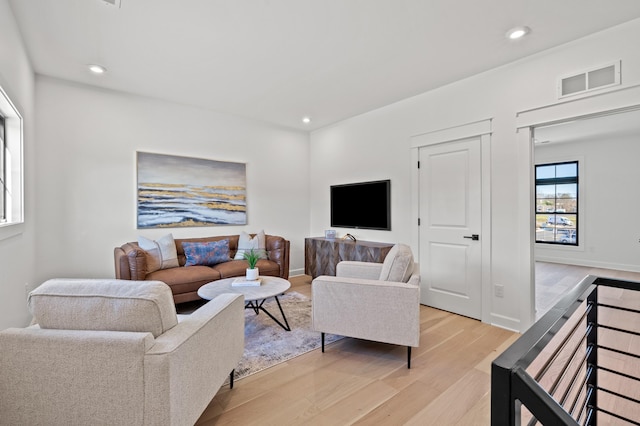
point(474, 237)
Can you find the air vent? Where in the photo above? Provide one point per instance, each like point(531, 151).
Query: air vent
point(593, 79)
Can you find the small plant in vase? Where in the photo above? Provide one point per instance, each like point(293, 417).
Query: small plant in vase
point(252, 258)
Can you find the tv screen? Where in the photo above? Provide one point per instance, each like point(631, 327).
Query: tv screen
point(364, 205)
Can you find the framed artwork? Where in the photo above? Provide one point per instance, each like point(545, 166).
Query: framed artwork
point(176, 191)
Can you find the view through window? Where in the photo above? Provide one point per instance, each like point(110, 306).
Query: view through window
point(557, 203)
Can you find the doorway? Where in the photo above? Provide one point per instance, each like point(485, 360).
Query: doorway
point(606, 147)
point(450, 215)
point(452, 204)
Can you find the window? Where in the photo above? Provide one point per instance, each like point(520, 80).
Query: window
point(11, 180)
point(557, 203)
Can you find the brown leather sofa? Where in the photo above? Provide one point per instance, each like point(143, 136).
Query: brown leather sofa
point(131, 264)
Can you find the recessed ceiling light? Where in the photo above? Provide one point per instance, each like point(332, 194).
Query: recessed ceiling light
point(518, 32)
point(306, 120)
point(97, 69)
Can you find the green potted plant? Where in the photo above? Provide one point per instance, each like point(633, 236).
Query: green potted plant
point(252, 258)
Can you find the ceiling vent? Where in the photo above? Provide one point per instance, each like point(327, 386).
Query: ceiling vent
point(587, 81)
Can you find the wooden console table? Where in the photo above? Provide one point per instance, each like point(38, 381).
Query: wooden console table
point(321, 255)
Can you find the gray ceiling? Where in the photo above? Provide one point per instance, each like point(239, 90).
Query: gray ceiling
point(278, 60)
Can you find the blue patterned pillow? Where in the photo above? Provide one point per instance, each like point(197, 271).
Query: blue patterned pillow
point(207, 254)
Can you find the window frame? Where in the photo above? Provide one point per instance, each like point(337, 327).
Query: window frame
point(3, 171)
point(13, 168)
point(559, 181)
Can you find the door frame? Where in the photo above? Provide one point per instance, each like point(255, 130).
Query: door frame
point(476, 130)
point(610, 102)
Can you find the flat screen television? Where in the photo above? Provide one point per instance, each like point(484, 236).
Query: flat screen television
point(363, 205)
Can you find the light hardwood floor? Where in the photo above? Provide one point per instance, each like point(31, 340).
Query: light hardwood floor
point(360, 382)
point(553, 280)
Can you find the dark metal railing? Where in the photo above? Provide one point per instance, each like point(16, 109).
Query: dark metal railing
point(560, 372)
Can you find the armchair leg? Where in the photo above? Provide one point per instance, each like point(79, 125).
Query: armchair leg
point(231, 378)
point(408, 357)
point(322, 340)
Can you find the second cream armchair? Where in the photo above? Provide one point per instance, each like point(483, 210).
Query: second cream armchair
point(371, 301)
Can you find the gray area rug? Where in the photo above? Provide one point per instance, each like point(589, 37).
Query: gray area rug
point(268, 344)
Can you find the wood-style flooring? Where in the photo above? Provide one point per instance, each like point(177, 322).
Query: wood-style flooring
point(553, 280)
point(361, 382)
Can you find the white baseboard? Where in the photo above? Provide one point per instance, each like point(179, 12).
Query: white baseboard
point(296, 272)
point(508, 323)
point(589, 263)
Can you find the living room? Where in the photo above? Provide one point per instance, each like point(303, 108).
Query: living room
point(80, 144)
point(85, 202)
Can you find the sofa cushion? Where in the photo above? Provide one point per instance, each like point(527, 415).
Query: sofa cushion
point(237, 268)
point(161, 254)
point(398, 264)
point(206, 253)
point(111, 305)
point(246, 243)
point(182, 276)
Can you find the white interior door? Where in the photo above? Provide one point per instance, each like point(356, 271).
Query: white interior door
point(450, 211)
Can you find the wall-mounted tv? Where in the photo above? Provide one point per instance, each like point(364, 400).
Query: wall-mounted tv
point(363, 205)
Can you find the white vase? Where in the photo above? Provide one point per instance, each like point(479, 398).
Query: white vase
point(252, 274)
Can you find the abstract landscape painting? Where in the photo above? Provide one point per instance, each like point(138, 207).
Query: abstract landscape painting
point(178, 191)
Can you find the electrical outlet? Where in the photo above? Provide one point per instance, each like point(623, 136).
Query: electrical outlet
point(498, 290)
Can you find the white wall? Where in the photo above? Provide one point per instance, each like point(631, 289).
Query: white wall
point(609, 206)
point(376, 145)
point(17, 244)
point(80, 181)
point(86, 173)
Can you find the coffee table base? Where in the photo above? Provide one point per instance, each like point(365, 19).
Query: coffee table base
point(257, 307)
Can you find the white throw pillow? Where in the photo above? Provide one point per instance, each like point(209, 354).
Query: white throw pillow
point(398, 264)
point(246, 243)
point(161, 254)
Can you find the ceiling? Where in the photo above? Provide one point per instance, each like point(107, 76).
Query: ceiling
point(278, 60)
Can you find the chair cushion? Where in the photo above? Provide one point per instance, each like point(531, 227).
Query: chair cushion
point(398, 265)
point(111, 305)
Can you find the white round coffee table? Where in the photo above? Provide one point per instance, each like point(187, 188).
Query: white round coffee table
point(254, 296)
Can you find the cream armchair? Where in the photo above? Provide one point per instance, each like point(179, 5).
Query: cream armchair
point(113, 352)
point(371, 301)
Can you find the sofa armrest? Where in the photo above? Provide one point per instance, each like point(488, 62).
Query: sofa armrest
point(278, 251)
point(130, 262)
point(121, 264)
point(198, 353)
point(364, 270)
point(384, 311)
